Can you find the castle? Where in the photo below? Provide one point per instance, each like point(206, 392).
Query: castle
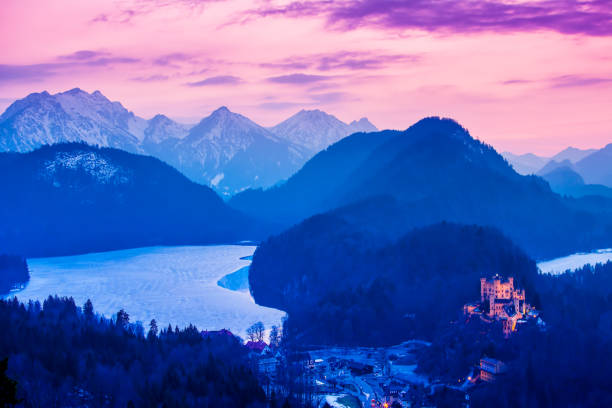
point(501, 301)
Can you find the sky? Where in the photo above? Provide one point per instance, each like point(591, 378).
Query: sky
point(521, 75)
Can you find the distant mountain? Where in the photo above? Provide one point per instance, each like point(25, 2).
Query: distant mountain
point(315, 130)
point(226, 151)
point(527, 163)
point(362, 125)
point(596, 168)
point(72, 116)
point(231, 153)
point(563, 179)
point(554, 165)
point(75, 198)
point(390, 182)
point(161, 128)
point(572, 154)
point(530, 163)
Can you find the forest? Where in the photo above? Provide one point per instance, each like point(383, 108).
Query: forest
point(567, 364)
point(73, 198)
point(346, 287)
point(389, 183)
point(61, 354)
point(14, 272)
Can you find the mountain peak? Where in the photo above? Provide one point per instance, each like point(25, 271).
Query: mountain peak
point(314, 129)
point(436, 125)
point(160, 118)
point(362, 125)
point(572, 154)
point(312, 112)
point(222, 109)
point(74, 91)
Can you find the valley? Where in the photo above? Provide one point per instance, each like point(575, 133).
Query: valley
point(306, 204)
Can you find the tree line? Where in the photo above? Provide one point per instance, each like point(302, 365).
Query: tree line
point(60, 354)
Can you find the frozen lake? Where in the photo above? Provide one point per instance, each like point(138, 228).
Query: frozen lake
point(560, 265)
point(176, 285)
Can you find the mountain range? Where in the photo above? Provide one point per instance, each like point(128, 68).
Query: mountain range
point(225, 150)
point(594, 166)
point(563, 178)
point(315, 130)
point(530, 163)
point(390, 182)
point(74, 198)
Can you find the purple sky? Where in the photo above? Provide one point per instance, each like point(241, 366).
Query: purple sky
point(520, 75)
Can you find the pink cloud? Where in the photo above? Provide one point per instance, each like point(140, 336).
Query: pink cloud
point(217, 80)
point(591, 17)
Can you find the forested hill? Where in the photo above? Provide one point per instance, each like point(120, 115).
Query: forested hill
point(339, 287)
point(14, 272)
point(62, 356)
point(390, 182)
point(74, 198)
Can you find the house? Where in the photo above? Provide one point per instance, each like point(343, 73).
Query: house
point(499, 292)
point(490, 369)
point(268, 366)
point(256, 346)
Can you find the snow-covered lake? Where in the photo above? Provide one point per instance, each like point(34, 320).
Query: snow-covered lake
point(176, 285)
point(560, 265)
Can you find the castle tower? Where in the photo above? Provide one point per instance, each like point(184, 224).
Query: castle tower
point(483, 286)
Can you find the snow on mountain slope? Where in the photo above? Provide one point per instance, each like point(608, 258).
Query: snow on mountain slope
point(161, 128)
point(225, 150)
point(231, 152)
point(70, 116)
point(78, 116)
point(315, 129)
point(100, 168)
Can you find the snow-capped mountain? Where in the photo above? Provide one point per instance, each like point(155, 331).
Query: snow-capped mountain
point(315, 129)
point(72, 116)
point(161, 128)
point(78, 116)
point(225, 150)
point(231, 152)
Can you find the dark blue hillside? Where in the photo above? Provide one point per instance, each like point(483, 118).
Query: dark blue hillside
point(74, 198)
point(434, 171)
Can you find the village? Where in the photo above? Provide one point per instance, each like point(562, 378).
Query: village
point(387, 376)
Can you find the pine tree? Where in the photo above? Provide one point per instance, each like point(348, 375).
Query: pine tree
point(123, 319)
point(152, 330)
point(8, 387)
point(88, 309)
point(274, 337)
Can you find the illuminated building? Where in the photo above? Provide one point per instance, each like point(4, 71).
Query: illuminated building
point(490, 369)
point(501, 301)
